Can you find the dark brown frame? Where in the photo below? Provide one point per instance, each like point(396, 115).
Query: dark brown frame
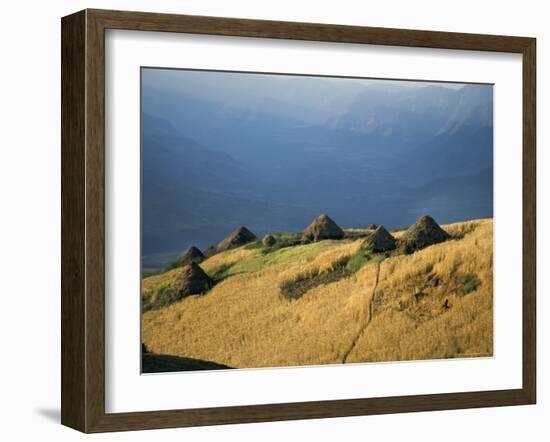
point(83, 216)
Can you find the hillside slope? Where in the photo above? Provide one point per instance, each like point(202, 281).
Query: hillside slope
point(434, 303)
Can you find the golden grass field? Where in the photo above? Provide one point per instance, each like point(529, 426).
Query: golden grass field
point(434, 303)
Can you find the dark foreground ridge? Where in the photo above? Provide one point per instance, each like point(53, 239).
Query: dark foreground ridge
point(154, 363)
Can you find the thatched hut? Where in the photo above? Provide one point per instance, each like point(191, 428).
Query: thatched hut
point(425, 232)
point(192, 280)
point(193, 254)
point(323, 227)
point(379, 241)
point(238, 237)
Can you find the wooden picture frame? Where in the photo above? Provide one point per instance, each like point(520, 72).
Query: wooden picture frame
point(83, 220)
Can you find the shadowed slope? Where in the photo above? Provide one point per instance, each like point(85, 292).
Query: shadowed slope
point(153, 363)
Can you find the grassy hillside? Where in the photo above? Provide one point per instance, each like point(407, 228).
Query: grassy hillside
point(348, 306)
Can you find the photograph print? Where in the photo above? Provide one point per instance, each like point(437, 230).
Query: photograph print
point(293, 220)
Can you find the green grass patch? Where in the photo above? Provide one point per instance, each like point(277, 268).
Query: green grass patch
point(220, 273)
point(287, 254)
point(341, 268)
point(357, 261)
point(281, 240)
point(156, 298)
point(164, 297)
point(296, 289)
point(361, 258)
point(257, 244)
point(468, 283)
point(299, 287)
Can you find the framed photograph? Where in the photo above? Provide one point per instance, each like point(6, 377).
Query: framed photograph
point(270, 220)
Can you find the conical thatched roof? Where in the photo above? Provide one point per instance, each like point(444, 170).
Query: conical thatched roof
point(193, 254)
point(191, 281)
point(237, 238)
point(425, 232)
point(380, 241)
point(323, 227)
point(372, 227)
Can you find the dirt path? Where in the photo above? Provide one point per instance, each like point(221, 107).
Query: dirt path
point(369, 317)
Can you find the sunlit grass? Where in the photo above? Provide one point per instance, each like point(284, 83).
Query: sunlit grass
point(434, 303)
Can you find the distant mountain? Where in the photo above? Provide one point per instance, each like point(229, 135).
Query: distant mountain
point(402, 119)
point(295, 97)
point(195, 195)
point(383, 110)
point(393, 120)
point(167, 155)
point(187, 190)
point(216, 155)
point(473, 108)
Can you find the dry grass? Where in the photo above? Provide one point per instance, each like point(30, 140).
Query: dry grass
point(421, 327)
point(244, 321)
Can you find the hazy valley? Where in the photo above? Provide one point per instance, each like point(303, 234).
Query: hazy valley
point(274, 160)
